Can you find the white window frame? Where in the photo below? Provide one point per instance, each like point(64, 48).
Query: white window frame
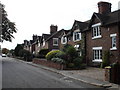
point(75, 34)
point(54, 41)
point(113, 37)
point(99, 56)
point(96, 31)
point(43, 43)
point(62, 40)
point(76, 47)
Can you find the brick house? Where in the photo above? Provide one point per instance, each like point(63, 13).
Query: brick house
point(52, 41)
point(43, 42)
point(37, 44)
point(32, 45)
point(103, 34)
point(63, 38)
point(76, 37)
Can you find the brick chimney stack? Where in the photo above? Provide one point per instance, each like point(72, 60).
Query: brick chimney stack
point(34, 37)
point(53, 29)
point(104, 7)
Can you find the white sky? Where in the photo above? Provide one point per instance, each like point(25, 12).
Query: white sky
point(36, 16)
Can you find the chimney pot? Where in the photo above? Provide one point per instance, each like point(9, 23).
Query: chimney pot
point(53, 29)
point(104, 7)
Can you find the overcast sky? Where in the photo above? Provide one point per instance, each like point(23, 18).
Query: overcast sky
point(36, 16)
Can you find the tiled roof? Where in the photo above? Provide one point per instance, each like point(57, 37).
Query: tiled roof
point(55, 34)
point(46, 36)
point(105, 19)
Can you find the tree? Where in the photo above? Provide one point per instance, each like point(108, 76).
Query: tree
point(5, 50)
point(8, 27)
point(18, 48)
point(11, 52)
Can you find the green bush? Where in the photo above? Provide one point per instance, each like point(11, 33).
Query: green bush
point(26, 55)
point(83, 66)
point(61, 55)
point(71, 65)
point(70, 53)
point(78, 61)
point(105, 58)
point(43, 53)
point(52, 54)
point(58, 60)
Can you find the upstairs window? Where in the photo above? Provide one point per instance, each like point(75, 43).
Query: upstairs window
point(64, 40)
point(113, 38)
point(96, 32)
point(55, 41)
point(76, 36)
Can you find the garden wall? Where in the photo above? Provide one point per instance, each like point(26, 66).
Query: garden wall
point(48, 63)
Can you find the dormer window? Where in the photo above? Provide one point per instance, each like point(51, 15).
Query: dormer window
point(55, 41)
point(64, 40)
point(96, 32)
point(76, 35)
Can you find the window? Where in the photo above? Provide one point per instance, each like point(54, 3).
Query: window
point(64, 40)
point(96, 32)
point(43, 43)
point(55, 41)
point(77, 47)
point(113, 38)
point(76, 36)
point(97, 54)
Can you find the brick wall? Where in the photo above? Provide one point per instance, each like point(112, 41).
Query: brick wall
point(48, 63)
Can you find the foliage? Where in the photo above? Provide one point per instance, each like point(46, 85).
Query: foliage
point(58, 60)
point(78, 61)
point(8, 27)
point(105, 58)
point(26, 54)
point(43, 53)
point(11, 52)
point(70, 53)
point(5, 50)
point(82, 66)
point(61, 55)
point(51, 54)
point(66, 47)
point(17, 49)
point(71, 65)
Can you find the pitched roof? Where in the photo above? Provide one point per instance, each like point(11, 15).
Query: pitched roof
point(46, 36)
point(109, 18)
point(60, 31)
point(81, 25)
point(64, 32)
point(105, 19)
point(113, 17)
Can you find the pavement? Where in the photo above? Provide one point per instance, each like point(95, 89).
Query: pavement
point(91, 75)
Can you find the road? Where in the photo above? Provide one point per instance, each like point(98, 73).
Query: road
point(16, 74)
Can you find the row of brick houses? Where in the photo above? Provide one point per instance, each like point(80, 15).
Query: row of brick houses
point(90, 38)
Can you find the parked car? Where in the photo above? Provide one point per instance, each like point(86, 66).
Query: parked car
point(4, 55)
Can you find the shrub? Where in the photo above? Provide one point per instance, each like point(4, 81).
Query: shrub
point(43, 52)
point(58, 60)
point(61, 55)
point(82, 66)
point(70, 65)
point(70, 53)
point(26, 54)
point(78, 61)
point(52, 54)
point(105, 58)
